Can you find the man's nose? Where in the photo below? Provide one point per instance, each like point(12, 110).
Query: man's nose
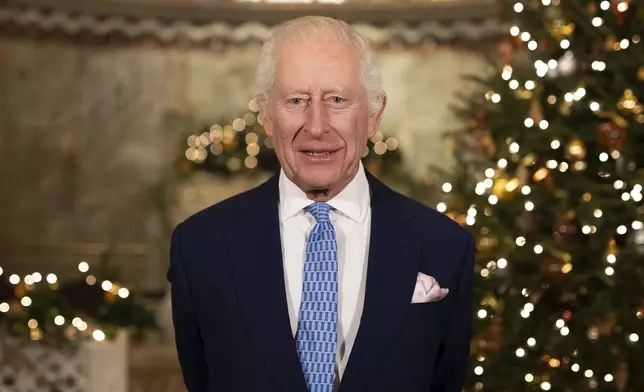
point(316, 118)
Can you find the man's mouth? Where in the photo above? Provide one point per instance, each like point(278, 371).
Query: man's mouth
point(319, 153)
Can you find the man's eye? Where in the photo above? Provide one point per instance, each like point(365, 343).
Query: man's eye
point(337, 99)
point(296, 101)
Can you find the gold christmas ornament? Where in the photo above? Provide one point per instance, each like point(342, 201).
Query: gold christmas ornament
point(504, 188)
point(540, 174)
point(575, 150)
point(561, 30)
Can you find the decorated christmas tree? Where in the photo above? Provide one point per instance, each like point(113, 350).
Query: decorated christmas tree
point(551, 168)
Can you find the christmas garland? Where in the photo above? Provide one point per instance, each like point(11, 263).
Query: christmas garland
point(41, 308)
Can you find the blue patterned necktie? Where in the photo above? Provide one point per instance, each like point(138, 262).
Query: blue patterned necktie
point(317, 330)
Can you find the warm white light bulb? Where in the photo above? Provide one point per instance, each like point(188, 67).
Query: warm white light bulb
point(98, 335)
point(83, 266)
point(123, 292)
point(106, 285)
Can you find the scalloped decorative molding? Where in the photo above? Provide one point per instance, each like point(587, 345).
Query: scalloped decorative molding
point(129, 24)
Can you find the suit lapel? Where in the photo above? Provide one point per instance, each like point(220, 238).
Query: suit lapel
point(391, 274)
point(259, 281)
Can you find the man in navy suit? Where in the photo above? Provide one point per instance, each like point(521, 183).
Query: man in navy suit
point(322, 278)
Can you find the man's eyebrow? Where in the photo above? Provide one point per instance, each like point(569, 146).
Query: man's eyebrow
point(290, 91)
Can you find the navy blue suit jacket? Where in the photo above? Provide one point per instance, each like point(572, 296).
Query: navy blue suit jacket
point(230, 311)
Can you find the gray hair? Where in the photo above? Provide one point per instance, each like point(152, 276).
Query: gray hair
point(302, 28)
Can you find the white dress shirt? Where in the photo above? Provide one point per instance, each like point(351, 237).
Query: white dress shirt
point(351, 219)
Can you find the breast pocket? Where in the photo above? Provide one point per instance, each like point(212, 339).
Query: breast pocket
point(425, 324)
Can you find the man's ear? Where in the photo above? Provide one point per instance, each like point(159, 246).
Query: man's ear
point(266, 122)
point(374, 118)
point(264, 117)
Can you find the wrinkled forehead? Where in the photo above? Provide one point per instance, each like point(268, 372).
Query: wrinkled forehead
point(317, 63)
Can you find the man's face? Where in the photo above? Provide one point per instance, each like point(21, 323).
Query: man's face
point(317, 114)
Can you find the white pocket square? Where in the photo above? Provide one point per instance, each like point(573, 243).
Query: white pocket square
point(427, 290)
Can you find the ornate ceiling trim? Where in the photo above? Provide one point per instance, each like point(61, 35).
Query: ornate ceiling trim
point(463, 21)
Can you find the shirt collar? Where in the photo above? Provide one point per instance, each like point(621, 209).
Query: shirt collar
point(353, 201)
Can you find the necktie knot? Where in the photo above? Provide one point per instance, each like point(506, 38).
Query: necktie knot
point(320, 211)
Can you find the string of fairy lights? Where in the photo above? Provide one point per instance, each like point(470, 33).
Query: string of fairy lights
point(76, 327)
point(497, 185)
